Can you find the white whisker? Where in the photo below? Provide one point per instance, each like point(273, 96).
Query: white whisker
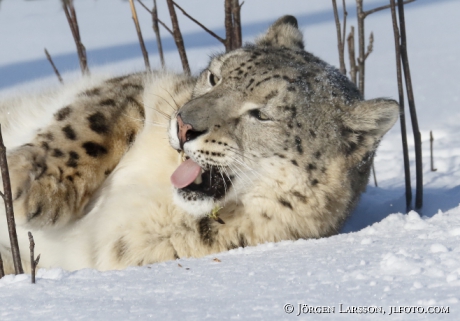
point(175, 102)
point(167, 102)
point(246, 177)
point(231, 182)
point(165, 115)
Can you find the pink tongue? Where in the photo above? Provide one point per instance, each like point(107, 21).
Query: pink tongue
point(185, 174)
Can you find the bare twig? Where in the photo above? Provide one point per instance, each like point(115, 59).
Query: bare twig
point(145, 7)
point(351, 54)
point(402, 116)
point(228, 25)
point(71, 16)
point(366, 13)
point(233, 38)
point(155, 17)
point(370, 46)
point(340, 43)
point(345, 14)
point(431, 152)
point(33, 261)
point(361, 60)
point(374, 174)
point(198, 23)
point(8, 200)
point(362, 56)
point(166, 27)
point(413, 112)
point(54, 67)
point(2, 271)
point(156, 30)
point(178, 37)
point(236, 11)
point(139, 35)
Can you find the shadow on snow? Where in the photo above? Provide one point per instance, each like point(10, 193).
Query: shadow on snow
point(377, 203)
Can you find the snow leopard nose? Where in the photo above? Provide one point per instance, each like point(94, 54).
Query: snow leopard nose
point(185, 132)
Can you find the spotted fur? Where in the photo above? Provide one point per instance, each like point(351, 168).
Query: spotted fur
point(291, 136)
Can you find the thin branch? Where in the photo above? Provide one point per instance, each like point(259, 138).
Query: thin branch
point(54, 67)
point(345, 14)
point(156, 17)
point(2, 271)
point(198, 23)
point(431, 152)
point(361, 61)
point(139, 35)
point(413, 111)
point(362, 57)
point(374, 174)
point(370, 46)
point(402, 116)
point(228, 26)
point(156, 30)
point(71, 16)
point(166, 27)
point(366, 13)
point(145, 7)
point(178, 37)
point(351, 54)
point(340, 44)
point(8, 200)
point(237, 35)
point(33, 261)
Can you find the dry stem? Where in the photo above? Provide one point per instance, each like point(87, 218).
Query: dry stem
point(351, 54)
point(236, 11)
point(402, 116)
point(71, 16)
point(228, 25)
point(413, 111)
point(198, 23)
point(54, 67)
point(366, 13)
point(156, 30)
point(33, 261)
point(431, 152)
point(361, 57)
point(139, 35)
point(233, 38)
point(370, 46)
point(8, 200)
point(345, 14)
point(178, 37)
point(340, 42)
point(2, 271)
point(156, 17)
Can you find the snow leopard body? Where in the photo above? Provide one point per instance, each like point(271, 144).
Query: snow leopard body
point(268, 143)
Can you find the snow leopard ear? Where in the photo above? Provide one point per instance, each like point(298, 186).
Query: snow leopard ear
point(283, 33)
point(365, 124)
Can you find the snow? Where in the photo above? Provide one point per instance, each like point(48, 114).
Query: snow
point(382, 258)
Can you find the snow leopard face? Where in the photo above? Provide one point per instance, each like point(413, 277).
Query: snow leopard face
point(271, 116)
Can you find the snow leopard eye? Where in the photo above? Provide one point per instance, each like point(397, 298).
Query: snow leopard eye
point(212, 79)
point(256, 113)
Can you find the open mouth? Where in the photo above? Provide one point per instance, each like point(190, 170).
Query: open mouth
point(191, 177)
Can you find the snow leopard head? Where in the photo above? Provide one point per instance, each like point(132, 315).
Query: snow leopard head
point(270, 121)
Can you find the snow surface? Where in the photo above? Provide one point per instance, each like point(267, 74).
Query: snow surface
point(382, 258)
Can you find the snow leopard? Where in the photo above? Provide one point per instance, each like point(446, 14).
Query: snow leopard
point(267, 143)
